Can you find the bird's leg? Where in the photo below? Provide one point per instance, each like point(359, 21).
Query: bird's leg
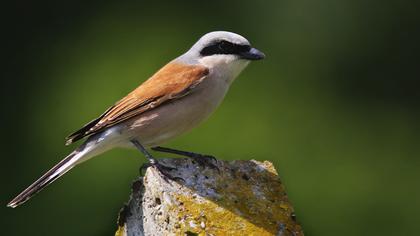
point(202, 159)
point(154, 162)
point(143, 150)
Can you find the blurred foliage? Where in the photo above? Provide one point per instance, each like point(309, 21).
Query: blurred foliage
point(335, 105)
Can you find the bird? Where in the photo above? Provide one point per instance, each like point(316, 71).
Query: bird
point(178, 97)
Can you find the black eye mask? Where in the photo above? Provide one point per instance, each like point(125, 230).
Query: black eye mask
point(224, 47)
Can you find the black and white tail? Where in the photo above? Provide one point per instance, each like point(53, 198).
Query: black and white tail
point(58, 170)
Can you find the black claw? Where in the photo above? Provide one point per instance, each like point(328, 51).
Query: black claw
point(201, 159)
point(210, 157)
point(205, 161)
point(164, 170)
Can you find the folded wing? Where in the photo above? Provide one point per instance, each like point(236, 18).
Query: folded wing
point(171, 82)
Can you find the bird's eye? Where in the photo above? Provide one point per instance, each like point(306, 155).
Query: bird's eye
point(225, 46)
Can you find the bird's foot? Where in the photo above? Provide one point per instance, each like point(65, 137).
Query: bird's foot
point(205, 160)
point(202, 159)
point(163, 170)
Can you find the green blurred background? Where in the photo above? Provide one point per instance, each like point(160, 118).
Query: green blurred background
point(335, 105)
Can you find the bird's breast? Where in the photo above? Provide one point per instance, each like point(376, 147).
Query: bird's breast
point(174, 118)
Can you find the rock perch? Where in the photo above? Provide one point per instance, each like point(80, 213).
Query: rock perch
point(240, 198)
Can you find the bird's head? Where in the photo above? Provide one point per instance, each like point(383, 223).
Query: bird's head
point(223, 52)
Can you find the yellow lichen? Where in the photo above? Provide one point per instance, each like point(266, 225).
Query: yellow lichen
point(120, 231)
point(251, 205)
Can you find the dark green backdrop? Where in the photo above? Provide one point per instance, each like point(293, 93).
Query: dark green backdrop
point(335, 105)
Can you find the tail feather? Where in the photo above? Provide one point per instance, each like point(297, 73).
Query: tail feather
point(54, 173)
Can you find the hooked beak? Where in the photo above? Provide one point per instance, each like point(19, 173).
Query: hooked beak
point(253, 54)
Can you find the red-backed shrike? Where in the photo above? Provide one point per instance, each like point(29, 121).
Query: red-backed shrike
point(174, 100)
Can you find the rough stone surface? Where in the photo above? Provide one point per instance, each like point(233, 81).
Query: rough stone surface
point(241, 198)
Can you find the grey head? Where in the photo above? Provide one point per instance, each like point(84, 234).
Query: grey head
point(224, 45)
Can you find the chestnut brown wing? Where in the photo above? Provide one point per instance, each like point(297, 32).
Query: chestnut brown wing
point(171, 82)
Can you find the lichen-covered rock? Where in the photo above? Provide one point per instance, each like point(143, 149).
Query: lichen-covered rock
point(238, 198)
